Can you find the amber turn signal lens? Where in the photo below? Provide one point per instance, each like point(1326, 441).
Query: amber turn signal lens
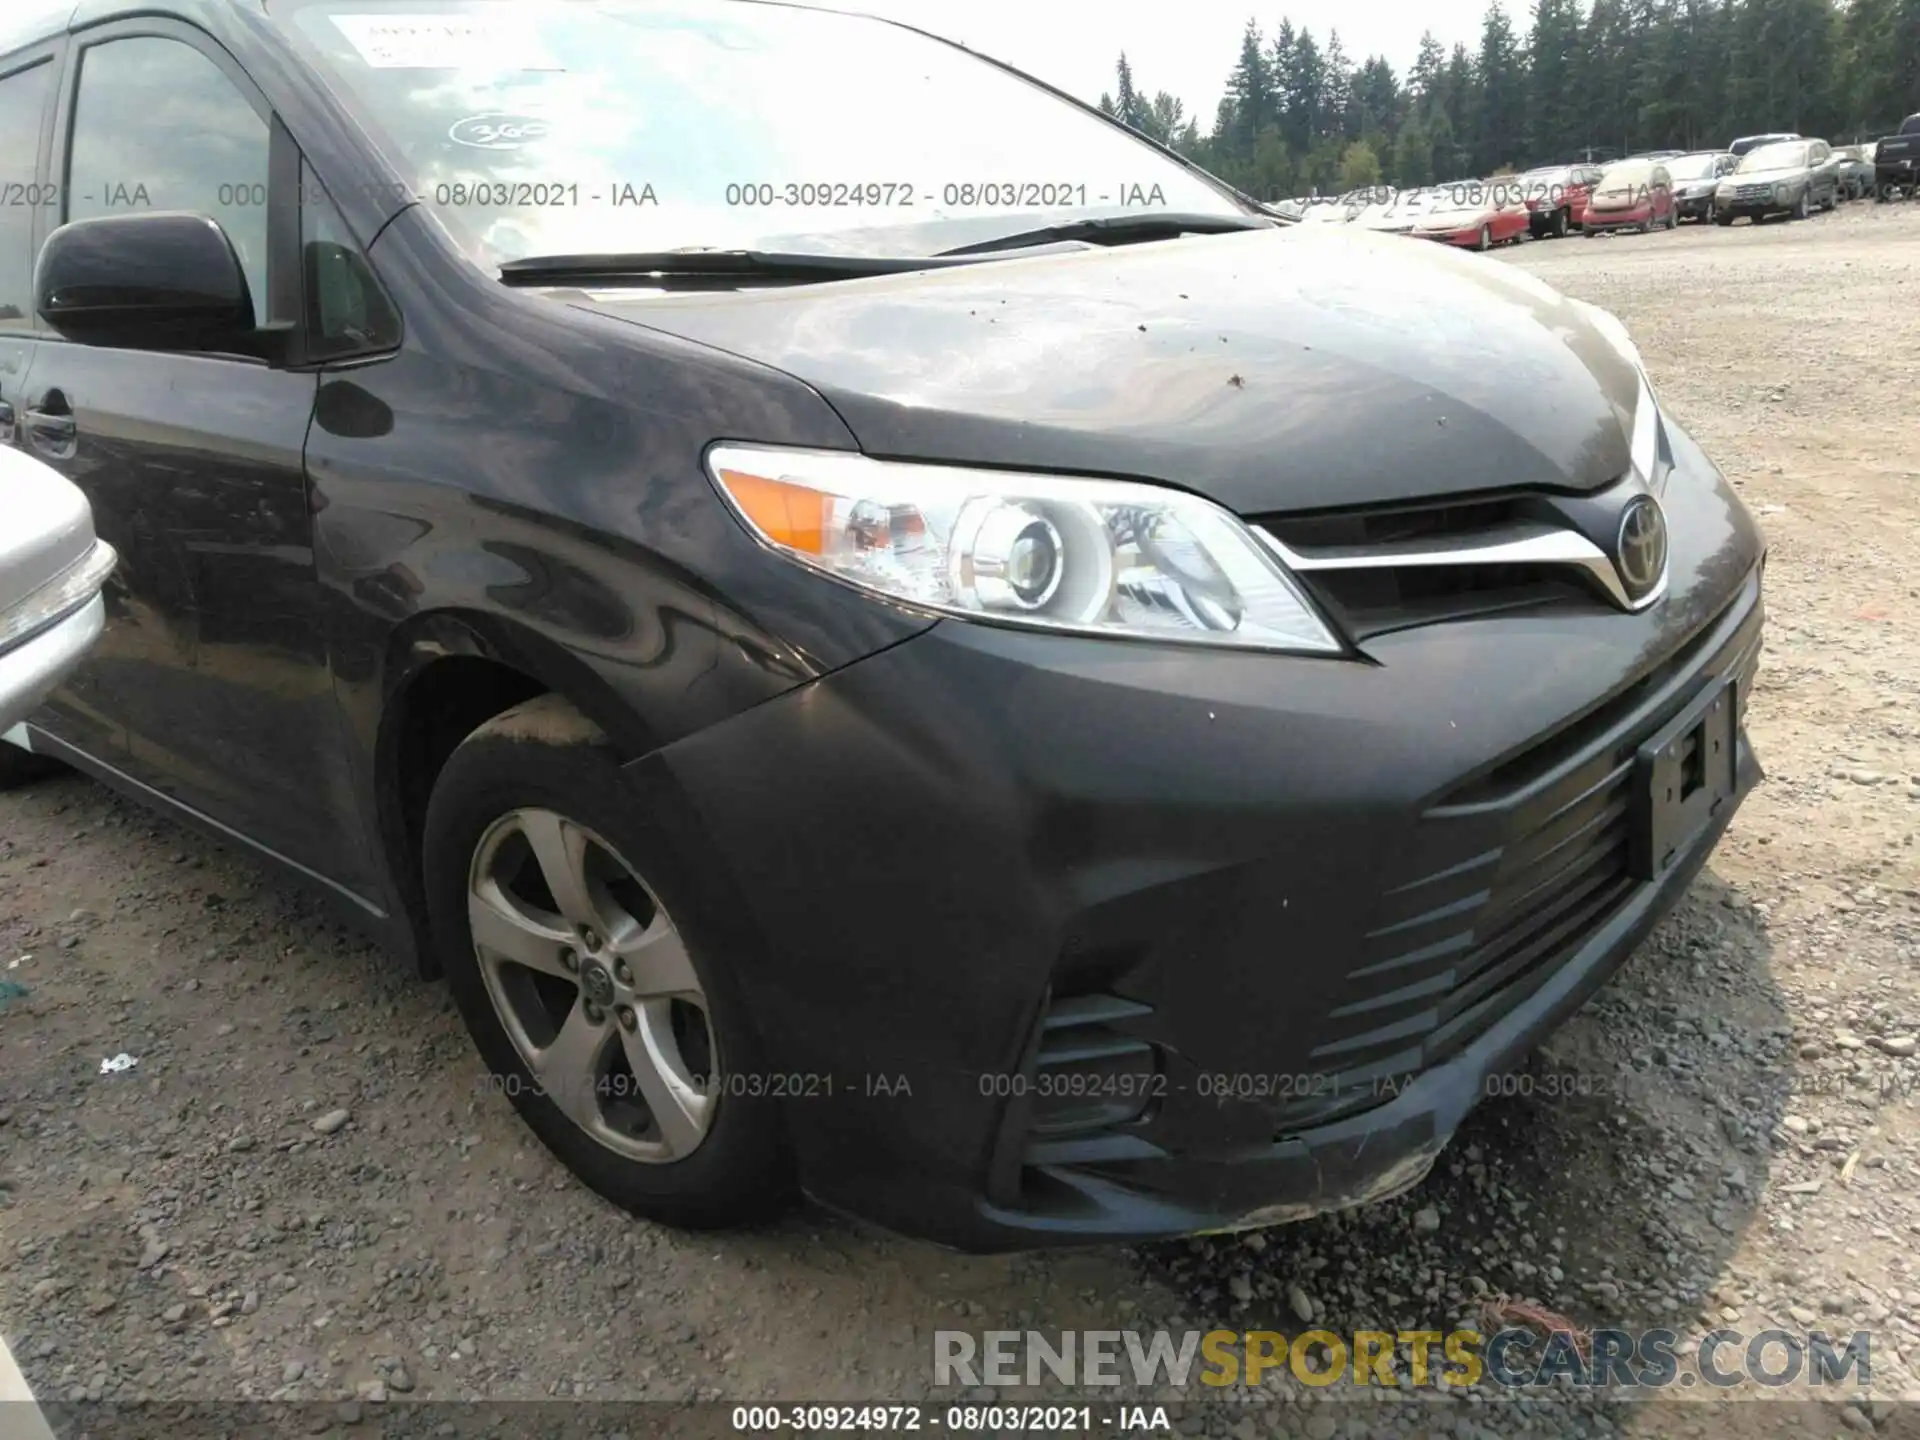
point(790, 515)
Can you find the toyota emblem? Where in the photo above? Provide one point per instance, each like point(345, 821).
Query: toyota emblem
point(1642, 547)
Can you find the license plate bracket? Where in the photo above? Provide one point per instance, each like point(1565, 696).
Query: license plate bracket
point(1683, 776)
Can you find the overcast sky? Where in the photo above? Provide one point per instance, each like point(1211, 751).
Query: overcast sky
point(1185, 46)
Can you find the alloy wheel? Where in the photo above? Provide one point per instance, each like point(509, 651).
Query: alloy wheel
point(593, 984)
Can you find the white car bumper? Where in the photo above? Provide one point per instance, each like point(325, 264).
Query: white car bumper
point(44, 636)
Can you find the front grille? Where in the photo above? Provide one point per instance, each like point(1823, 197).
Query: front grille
point(1747, 193)
point(1511, 874)
point(1381, 595)
point(1396, 524)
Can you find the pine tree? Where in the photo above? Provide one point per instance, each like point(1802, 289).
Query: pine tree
point(1413, 154)
point(1126, 100)
point(1623, 75)
point(1499, 116)
point(1305, 91)
point(1343, 118)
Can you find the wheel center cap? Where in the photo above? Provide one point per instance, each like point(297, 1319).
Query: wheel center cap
point(598, 985)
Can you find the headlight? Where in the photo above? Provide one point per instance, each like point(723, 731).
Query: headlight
point(1097, 557)
point(1644, 448)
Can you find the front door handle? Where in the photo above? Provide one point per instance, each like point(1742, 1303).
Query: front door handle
point(55, 436)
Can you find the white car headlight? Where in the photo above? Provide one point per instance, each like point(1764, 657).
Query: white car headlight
point(1097, 557)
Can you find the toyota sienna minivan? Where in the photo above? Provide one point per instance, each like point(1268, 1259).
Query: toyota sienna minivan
point(890, 638)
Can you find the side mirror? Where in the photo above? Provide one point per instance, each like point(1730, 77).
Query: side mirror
point(153, 281)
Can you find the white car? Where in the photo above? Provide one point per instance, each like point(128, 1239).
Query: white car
point(51, 570)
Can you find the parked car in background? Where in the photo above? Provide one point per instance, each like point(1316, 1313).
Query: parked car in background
point(1398, 215)
point(1695, 179)
point(1658, 154)
point(1896, 160)
point(1556, 197)
point(1343, 209)
point(1853, 171)
point(1790, 177)
point(1633, 195)
point(1478, 214)
point(1326, 210)
point(1754, 142)
point(52, 568)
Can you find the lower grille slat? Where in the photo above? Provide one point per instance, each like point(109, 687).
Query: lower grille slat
point(1491, 930)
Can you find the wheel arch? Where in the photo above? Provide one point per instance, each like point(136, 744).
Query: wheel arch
point(447, 673)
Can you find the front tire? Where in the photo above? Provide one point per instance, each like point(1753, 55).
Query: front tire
point(1800, 206)
point(582, 954)
point(1485, 242)
point(1561, 222)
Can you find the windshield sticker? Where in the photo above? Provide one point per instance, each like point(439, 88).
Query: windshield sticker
point(496, 130)
point(446, 42)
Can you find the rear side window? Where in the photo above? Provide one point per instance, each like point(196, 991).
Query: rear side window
point(159, 126)
point(23, 103)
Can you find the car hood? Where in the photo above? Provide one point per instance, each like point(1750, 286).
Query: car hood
point(1294, 368)
point(1765, 177)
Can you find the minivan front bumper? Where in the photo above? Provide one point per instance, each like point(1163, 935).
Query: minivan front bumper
point(1063, 940)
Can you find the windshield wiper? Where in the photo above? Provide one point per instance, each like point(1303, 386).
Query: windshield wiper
point(1118, 230)
point(701, 265)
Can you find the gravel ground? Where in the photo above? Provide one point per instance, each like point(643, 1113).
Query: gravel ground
point(303, 1191)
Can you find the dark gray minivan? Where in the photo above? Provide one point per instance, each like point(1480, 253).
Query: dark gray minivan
point(889, 637)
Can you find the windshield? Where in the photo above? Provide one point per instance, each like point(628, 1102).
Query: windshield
point(554, 127)
point(1774, 157)
point(1692, 167)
